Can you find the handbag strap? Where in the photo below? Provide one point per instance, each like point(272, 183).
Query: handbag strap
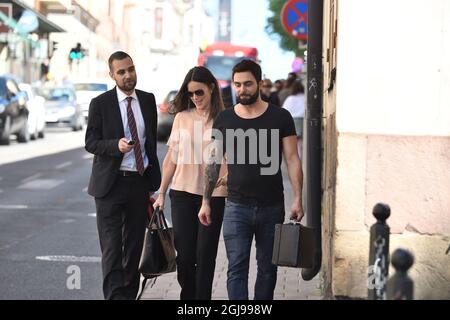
point(159, 219)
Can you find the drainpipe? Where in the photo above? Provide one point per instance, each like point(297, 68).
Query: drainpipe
point(314, 132)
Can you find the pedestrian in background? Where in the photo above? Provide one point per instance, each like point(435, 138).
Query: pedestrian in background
point(121, 133)
point(196, 105)
point(295, 104)
point(255, 200)
point(279, 85)
point(286, 91)
point(267, 94)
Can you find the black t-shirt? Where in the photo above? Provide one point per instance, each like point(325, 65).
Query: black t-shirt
point(253, 150)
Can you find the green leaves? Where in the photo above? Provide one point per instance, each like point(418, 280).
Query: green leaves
point(275, 29)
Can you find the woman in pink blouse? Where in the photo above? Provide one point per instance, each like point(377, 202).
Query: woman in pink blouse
point(196, 105)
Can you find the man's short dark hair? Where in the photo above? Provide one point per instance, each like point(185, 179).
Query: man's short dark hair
point(118, 55)
point(250, 66)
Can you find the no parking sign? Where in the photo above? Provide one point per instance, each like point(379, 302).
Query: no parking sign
point(294, 18)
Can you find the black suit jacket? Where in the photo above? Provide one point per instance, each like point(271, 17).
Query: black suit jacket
point(105, 129)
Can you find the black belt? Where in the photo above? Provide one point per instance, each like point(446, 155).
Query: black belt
point(128, 173)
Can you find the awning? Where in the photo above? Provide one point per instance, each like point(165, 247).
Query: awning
point(45, 25)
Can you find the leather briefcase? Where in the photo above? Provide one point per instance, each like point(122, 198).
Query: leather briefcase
point(293, 246)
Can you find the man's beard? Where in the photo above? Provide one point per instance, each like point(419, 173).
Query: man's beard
point(128, 86)
point(250, 100)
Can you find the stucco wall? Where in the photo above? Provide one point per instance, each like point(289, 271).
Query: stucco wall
point(390, 141)
point(412, 175)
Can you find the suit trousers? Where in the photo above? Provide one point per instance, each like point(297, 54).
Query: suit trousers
point(121, 223)
point(195, 243)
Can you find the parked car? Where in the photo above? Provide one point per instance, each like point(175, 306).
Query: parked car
point(88, 90)
point(165, 118)
point(61, 108)
point(36, 116)
point(13, 111)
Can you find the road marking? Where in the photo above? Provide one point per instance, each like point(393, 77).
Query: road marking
point(63, 165)
point(33, 177)
point(69, 258)
point(92, 215)
point(88, 156)
point(41, 184)
point(68, 221)
point(13, 206)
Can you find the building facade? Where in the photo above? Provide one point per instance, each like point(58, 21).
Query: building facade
point(386, 139)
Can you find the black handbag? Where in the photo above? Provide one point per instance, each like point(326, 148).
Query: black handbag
point(158, 253)
point(293, 246)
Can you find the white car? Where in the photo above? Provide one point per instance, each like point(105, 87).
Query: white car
point(88, 90)
point(36, 108)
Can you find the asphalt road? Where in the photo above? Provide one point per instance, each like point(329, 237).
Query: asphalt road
point(48, 236)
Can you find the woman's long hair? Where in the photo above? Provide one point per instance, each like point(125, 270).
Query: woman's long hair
point(182, 101)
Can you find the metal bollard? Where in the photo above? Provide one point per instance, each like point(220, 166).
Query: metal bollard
point(400, 286)
point(379, 253)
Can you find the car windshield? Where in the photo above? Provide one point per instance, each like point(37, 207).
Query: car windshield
point(221, 67)
point(91, 87)
point(58, 94)
point(170, 96)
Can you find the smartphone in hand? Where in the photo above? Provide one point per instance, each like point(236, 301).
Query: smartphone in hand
point(131, 142)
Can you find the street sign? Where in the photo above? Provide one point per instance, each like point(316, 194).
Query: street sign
point(294, 18)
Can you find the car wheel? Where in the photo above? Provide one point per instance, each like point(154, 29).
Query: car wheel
point(34, 135)
point(23, 135)
point(4, 138)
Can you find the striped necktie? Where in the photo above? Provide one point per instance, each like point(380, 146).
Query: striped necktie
point(134, 135)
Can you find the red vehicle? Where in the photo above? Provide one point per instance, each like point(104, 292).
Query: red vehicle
point(220, 58)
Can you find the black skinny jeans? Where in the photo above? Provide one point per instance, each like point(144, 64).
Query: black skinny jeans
point(196, 244)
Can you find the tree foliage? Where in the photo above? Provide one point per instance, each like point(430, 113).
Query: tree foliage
point(275, 29)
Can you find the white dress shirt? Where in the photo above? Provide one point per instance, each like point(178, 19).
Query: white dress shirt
point(295, 104)
point(129, 160)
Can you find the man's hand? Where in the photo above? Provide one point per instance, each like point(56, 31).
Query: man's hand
point(124, 147)
point(204, 215)
point(297, 211)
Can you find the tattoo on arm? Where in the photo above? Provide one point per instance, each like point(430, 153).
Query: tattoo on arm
point(211, 176)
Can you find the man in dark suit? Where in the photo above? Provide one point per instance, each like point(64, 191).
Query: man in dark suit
point(121, 133)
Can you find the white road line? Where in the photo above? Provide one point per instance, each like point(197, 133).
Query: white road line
point(69, 258)
point(41, 184)
point(33, 177)
point(63, 165)
point(13, 206)
point(88, 156)
point(92, 215)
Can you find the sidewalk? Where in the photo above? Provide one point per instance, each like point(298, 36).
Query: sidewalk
point(290, 285)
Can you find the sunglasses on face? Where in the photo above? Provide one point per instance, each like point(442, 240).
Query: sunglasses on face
point(198, 93)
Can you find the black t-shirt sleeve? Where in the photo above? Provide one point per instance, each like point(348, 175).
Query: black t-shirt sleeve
point(287, 124)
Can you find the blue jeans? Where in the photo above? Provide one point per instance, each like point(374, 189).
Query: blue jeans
point(240, 223)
